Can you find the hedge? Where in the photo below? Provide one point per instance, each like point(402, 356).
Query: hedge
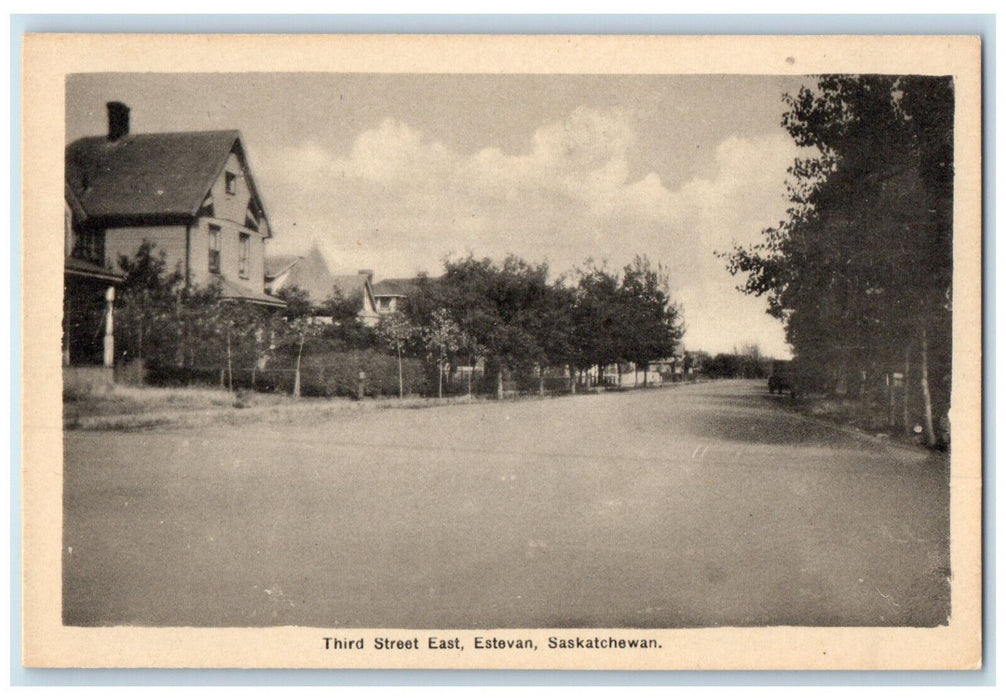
point(337, 374)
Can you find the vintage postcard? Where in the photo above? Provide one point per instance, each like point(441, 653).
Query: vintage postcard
point(502, 352)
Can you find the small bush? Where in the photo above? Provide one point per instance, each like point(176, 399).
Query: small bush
point(337, 374)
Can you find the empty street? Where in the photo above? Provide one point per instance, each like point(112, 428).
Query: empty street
point(685, 506)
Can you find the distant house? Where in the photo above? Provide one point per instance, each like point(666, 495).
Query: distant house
point(359, 286)
point(310, 272)
point(631, 375)
point(392, 293)
point(190, 194)
point(672, 367)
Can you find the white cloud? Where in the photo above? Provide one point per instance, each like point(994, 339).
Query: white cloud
point(399, 201)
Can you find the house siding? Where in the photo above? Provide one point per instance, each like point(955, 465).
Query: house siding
point(230, 253)
point(231, 207)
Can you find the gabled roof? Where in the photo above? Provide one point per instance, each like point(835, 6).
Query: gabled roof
point(150, 175)
point(276, 265)
point(395, 287)
point(309, 272)
point(351, 285)
point(399, 286)
point(90, 270)
point(239, 292)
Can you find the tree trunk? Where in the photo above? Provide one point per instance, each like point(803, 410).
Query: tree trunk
point(646, 374)
point(891, 406)
point(401, 384)
point(180, 327)
point(499, 382)
point(256, 354)
point(541, 381)
point(471, 371)
point(230, 371)
point(440, 379)
point(572, 379)
point(139, 339)
point(619, 366)
point(296, 371)
point(190, 346)
point(927, 399)
point(841, 379)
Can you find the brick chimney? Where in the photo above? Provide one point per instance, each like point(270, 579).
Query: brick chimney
point(368, 273)
point(118, 120)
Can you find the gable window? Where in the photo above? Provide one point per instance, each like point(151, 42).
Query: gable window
point(231, 182)
point(243, 252)
point(214, 248)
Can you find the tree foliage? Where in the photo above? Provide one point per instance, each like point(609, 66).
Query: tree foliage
point(147, 301)
point(442, 337)
point(860, 271)
point(395, 331)
point(507, 317)
point(512, 316)
point(652, 320)
point(624, 318)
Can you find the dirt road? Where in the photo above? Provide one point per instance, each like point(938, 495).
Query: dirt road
point(688, 506)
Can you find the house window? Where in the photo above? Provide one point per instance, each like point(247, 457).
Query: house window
point(243, 253)
point(90, 245)
point(214, 248)
point(231, 181)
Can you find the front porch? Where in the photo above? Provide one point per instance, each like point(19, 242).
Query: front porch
point(88, 345)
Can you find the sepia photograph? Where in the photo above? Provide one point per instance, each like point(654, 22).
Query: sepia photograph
point(498, 368)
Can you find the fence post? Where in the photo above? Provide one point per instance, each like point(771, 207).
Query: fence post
point(904, 391)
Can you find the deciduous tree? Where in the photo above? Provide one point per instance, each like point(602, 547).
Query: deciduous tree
point(860, 271)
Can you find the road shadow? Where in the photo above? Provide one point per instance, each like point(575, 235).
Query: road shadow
point(749, 413)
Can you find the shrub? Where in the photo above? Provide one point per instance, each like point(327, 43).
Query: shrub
point(337, 374)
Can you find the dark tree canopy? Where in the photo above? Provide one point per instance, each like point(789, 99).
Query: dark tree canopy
point(513, 317)
point(298, 302)
point(860, 271)
point(627, 318)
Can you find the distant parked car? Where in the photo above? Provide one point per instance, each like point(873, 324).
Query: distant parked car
point(781, 378)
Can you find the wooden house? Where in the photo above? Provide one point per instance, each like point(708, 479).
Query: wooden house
point(190, 194)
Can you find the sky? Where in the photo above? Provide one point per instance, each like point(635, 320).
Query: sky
point(396, 172)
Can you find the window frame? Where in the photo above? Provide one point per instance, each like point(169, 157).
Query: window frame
point(214, 245)
point(244, 254)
